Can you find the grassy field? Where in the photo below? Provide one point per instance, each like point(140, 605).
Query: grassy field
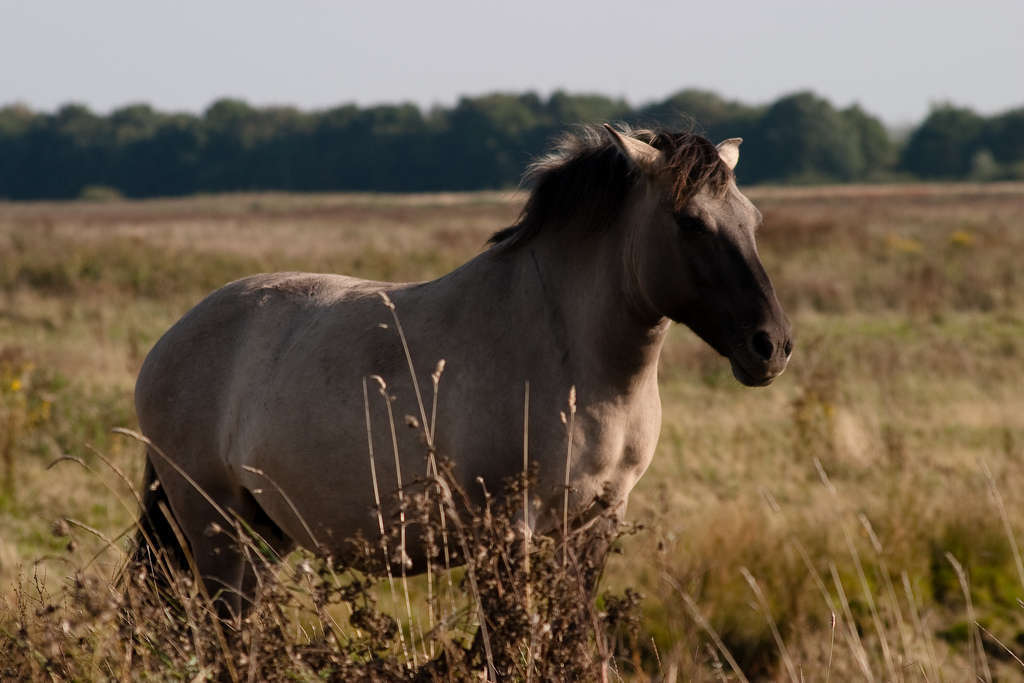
point(816, 528)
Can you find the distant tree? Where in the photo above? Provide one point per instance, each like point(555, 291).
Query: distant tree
point(224, 126)
point(168, 162)
point(876, 149)
point(489, 139)
point(706, 112)
point(564, 109)
point(387, 144)
point(984, 166)
point(1003, 136)
point(134, 168)
point(79, 125)
point(16, 122)
point(69, 150)
point(481, 142)
point(801, 137)
point(945, 144)
point(273, 143)
point(327, 161)
point(134, 122)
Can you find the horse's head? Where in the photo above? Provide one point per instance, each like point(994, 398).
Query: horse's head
point(694, 255)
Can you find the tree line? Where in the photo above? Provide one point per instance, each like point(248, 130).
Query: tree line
point(479, 143)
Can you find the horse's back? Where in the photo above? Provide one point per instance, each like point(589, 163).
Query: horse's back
point(185, 386)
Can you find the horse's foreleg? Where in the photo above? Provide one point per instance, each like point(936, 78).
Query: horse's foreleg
point(598, 539)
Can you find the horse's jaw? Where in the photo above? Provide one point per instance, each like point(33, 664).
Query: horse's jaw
point(751, 379)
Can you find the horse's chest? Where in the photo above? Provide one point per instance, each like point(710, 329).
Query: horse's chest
point(614, 455)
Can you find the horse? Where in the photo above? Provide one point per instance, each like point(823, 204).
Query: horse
point(255, 402)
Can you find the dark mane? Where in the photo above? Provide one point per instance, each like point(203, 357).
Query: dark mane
point(585, 179)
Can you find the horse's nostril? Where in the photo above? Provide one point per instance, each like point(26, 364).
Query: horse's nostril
point(762, 344)
point(788, 348)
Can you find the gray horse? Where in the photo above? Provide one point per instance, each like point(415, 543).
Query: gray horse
point(255, 400)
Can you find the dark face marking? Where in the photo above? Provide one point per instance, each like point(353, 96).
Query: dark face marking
point(721, 289)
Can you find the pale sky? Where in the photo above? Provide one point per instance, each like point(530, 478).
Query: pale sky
point(894, 58)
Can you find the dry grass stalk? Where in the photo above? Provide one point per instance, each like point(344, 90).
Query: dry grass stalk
point(859, 653)
point(890, 592)
point(402, 558)
point(919, 629)
point(568, 459)
point(977, 647)
point(767, 612)
point(376, 502)
point(696, 615)
point(997, 498)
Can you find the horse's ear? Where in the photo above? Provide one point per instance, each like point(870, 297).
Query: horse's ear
point(637, 151)
point(729, 150)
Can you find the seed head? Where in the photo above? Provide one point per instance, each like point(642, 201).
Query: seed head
point(60, 528)
point(436, 375)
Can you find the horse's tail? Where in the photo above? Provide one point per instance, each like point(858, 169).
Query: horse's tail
point(156, 549)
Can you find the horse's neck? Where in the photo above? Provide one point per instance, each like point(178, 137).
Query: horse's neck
point(580, 294)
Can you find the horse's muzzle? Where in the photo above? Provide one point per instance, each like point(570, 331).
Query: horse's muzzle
point(761, 359)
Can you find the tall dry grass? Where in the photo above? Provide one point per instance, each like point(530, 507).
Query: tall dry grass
point(507, 616)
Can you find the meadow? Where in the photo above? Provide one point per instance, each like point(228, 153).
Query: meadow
point(860, 518)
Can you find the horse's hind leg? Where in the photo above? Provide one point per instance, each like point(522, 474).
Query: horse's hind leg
point(207, 519)
point(217, 548)
point(233, 555)
point(267, 546)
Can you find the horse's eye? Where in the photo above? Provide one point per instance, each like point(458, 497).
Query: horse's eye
point(688, 223)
